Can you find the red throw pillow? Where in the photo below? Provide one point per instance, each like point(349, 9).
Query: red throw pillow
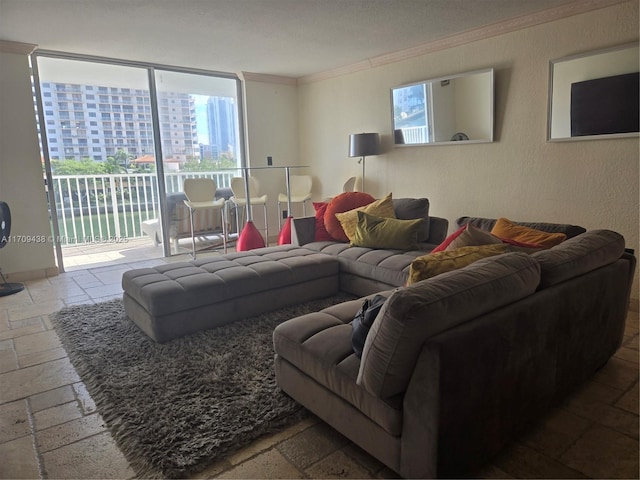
point(321, 232)
point(343, 203)
point(445, 243)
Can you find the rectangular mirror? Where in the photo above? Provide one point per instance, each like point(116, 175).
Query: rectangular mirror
point(446, 110)
point(594, 95)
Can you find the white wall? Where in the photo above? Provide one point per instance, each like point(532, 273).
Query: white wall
point(520, 175)
point(21, 178)
point(271, 130)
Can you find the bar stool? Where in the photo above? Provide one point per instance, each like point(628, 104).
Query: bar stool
point(201, 194)
point(300, 186)
point(239, 199)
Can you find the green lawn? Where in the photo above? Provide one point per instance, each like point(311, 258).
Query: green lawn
point(103, 228)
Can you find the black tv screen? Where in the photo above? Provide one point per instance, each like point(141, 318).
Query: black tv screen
point(605, 105)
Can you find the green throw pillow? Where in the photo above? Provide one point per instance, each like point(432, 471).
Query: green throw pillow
point(381, 232)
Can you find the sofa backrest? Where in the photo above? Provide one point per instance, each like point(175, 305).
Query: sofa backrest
point(488, 223)
point(412, 208)
point(578, 255)
point(415, 313)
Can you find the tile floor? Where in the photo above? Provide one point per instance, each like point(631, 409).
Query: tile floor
point(49, 426)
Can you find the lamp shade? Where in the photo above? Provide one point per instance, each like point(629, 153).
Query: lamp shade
point(364, 144)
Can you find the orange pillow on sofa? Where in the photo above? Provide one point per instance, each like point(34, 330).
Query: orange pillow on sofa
point(506, 229)
point(343, 203)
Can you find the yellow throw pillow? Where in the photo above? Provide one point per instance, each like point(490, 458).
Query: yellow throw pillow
point(380, 208)
point(434, 264)
point(504, 228)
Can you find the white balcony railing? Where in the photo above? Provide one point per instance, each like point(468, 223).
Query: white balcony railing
point(111, 207)
point(413, 135)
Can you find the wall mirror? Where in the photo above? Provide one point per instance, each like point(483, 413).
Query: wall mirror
point(447, 110)
point(594, 95)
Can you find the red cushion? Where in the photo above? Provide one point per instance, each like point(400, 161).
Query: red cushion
point(443, 246)
point(343, 203)
point(321, 232)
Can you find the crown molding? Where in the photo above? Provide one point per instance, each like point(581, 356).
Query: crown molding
point(264, 78)
point(469, 36)
point(7, 46)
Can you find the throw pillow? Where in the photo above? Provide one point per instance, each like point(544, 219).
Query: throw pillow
point(380, 232)
point(506, 229)
point(380, 208)
point(342, 203)
point(434, 264)
point(321, 234)
point(447, 241)
point(473, 237)
point(411, 209)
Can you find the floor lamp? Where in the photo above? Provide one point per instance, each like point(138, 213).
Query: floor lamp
point(362, 145)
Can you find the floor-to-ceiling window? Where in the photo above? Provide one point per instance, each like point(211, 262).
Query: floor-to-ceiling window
point(110, 130)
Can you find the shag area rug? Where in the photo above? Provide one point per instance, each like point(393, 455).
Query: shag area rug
point(175, 408)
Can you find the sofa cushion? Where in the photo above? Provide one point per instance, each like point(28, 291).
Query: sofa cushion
point(434, 264)
point(415, 313)
point(579, 255)
point(378, 232)
point(412, 208)
point(342, 203)
point(319, 345)
point(488, 223)
point(505, 228)
point(380, 208)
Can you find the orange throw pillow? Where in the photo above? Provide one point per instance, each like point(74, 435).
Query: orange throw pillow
point(343, 203)
point(506, 229)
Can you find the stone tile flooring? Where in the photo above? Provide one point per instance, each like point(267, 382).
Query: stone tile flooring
point(49, 426)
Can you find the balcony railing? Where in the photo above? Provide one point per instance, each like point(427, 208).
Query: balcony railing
point(112, 207)
point(415, 135)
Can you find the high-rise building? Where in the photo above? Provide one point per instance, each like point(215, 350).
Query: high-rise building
point(92, 121)
point(222, 117)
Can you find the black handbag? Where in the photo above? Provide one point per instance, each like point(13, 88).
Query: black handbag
point(363, 320)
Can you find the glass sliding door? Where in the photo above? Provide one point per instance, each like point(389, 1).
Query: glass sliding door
point(110, 129)
point(200, 136)
point(96, 131)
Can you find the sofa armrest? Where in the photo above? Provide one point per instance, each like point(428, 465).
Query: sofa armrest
point(438, 228)
point(303, 230)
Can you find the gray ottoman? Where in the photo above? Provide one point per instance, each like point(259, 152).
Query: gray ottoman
point(173, 300)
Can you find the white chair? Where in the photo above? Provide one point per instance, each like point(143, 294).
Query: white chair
point(349, 185)
point(201, 194)
point(239, 199)
point(300, 187)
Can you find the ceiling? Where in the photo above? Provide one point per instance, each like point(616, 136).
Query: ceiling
point(293, 38)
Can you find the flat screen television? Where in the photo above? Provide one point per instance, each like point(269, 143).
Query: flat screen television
point(605, 105)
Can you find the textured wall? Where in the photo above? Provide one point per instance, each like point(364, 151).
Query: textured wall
point(520, 176)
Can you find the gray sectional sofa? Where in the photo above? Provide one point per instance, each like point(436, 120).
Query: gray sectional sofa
point(456, 365)
point(367, 270)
